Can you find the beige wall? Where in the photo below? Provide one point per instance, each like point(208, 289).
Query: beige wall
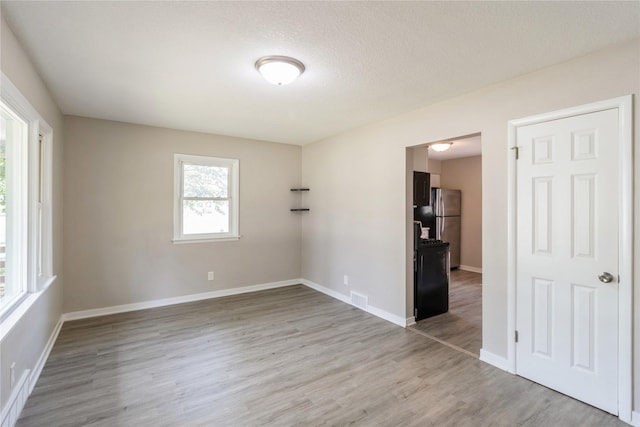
point(24, 343)
point(466, 175)
point(119, 215)
point(420, 159)
point(360, 224)
point(435, 166)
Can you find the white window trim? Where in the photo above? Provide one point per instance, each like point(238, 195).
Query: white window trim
point(37, 279)
point(234, 194)
point(37, 126)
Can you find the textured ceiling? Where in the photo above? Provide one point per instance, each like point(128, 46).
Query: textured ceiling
point(189, 65)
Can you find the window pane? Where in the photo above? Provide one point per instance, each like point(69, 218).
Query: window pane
point(205, 181)
point(205, 216)
point(13, 143)
point(3, 205)
point(39, 254)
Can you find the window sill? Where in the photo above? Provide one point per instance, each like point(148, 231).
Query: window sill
point(10, 306)
point(45, 285)
point(12, 314)
point(205, 240)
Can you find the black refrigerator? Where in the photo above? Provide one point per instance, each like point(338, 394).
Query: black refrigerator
point(431, 277)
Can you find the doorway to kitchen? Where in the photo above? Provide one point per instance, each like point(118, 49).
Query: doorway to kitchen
point(453, 214)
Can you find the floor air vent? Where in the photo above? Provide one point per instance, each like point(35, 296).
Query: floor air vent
point(359, 300)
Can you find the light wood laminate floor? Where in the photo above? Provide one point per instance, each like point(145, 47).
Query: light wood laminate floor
point(461, 326)
point(283, 357)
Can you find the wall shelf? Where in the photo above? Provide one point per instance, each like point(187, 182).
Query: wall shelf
point(300, 190)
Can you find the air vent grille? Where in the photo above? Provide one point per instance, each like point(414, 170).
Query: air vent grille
point(359, 300)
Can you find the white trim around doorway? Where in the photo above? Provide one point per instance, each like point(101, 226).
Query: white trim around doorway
point(625, 182)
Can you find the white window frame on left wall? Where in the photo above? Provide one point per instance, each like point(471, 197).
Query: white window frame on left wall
point(37, 211)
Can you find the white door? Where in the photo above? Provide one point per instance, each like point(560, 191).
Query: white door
point(567, 239)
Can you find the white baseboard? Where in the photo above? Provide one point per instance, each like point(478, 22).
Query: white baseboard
point(84, 314)
point(16, 401)
point(635, 419)
point(390, 317)
point(494, 360)
point(471, 269)
point(410, 321)
point(27, 382)
point(326, 291)
point(37, 370)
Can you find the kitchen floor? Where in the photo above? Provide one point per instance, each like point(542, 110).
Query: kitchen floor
point(461, 327)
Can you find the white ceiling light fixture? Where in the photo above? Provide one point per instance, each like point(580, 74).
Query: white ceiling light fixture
point(441, 146)
point(279, 70)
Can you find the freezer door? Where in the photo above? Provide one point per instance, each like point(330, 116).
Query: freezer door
point(447, 202)
point(448, 230)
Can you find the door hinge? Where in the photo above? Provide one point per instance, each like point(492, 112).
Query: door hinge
point(415, 313)
point(517, 151)
point(516, 336)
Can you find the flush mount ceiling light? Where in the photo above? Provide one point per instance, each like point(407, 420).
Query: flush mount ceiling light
point(279, 70)
point(441, 146)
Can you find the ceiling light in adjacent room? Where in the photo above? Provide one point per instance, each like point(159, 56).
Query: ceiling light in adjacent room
point(441, 146)
point(279, 70)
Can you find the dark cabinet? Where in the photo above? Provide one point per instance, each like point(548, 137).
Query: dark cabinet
point(421, 188)
point(431, 279)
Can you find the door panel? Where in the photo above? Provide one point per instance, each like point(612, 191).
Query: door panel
point(583, 232)
point(541, 212)
point(583, 319)
point(542, 322)
point(567, 235)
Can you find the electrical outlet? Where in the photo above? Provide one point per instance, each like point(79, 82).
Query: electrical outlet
point(12, 375)
point(210, 275)
point(346, 280)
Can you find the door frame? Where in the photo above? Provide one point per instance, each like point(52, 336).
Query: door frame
point(625, 237)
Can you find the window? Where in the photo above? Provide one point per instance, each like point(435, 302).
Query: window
point(13, 205)
point(206, 198)
point(25, 200)
point(42, 241)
